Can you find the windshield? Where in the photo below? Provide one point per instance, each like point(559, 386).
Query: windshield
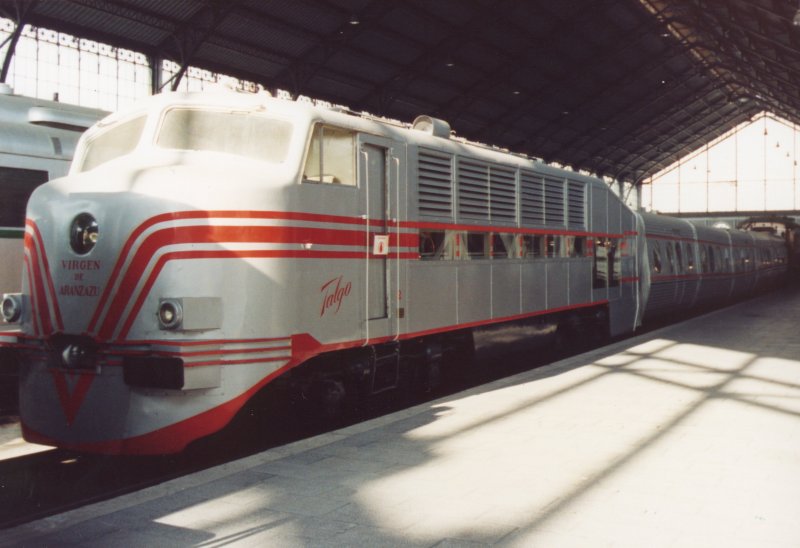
point(116, 141)
point(242, 133)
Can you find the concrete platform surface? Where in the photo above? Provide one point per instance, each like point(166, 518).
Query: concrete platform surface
point(687, 436)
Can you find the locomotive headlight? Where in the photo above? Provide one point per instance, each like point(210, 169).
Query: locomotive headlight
point(83, 234)
point(170, 314)
point(12, 307)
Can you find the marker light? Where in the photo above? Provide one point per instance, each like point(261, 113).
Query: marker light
point(12, 307)
point(170, 314)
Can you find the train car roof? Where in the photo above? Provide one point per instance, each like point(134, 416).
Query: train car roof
point(307, 112)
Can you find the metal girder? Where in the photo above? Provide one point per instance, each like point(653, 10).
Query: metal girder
point(719, 53)
point(19, 16)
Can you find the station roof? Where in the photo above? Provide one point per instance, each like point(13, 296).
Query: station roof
point(619, 88)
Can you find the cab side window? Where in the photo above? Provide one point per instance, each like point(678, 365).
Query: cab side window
point(331, 156)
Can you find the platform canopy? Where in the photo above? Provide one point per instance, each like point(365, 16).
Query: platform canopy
point(619, 88)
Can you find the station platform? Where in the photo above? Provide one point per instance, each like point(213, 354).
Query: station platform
point(686, 436)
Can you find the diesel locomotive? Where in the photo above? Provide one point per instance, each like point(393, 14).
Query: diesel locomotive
point(205, 245)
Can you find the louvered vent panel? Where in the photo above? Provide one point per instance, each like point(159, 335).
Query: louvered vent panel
point(473, 189)
point(435, 187)
point(576, 214)
point(553, 202)
point(531, 198)
point(502, 182)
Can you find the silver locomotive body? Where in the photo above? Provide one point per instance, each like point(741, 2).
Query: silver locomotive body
point(205, 245)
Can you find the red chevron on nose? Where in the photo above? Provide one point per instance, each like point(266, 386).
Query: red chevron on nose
point(72, 389)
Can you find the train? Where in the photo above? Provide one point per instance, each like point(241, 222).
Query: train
point(207, 245)
point(36, 145)
point(37, 141)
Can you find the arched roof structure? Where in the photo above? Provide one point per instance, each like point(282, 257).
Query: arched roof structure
point(619, 88)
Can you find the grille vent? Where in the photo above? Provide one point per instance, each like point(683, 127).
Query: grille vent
point(576, 214)
point(503, 189)
point(531, 198)
point(435, 187)
point(473, 189)
point(553, 202)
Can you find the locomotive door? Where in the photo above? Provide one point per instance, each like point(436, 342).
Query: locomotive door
point(378, 174)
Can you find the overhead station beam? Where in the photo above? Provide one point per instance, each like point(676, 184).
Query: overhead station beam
point(19, 15)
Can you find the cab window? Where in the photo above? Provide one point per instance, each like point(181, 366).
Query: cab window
point(242, 133)
point(116, 141)
point(331, 156)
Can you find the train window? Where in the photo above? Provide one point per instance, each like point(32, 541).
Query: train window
point(712, 263)
point(614, 261)
point(607, 265)
point(241, 133)
point(679, 256)
point(116, 141)
point(689, 257)
point(670, 256)
point(579, 246)
point(504, 246)
point(476, 244)
point(498, 247)
point(656, 258)
point(569, 245)
point(704, 258)
point(331, 156)
point(532, 245)
point(431, 245)
point(17, 185)
point(537, 243)
point(553, 246)
point(600, 266)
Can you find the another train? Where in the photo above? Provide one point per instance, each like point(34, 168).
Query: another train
point(37, 140)
point(206, 245)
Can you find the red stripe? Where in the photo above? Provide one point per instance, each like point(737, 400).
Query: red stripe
point(174, 438)
point(512, 230)
point(47, 275)
point(38, 293)
point(691, 240)
point(170, 439)
point(236, 362)
point(36, 317)
point(71, 400)
point(119, 303)
point(171, 353)
point(209, 342)
point(188, 215)
point(209, 234)
point(707, 276)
